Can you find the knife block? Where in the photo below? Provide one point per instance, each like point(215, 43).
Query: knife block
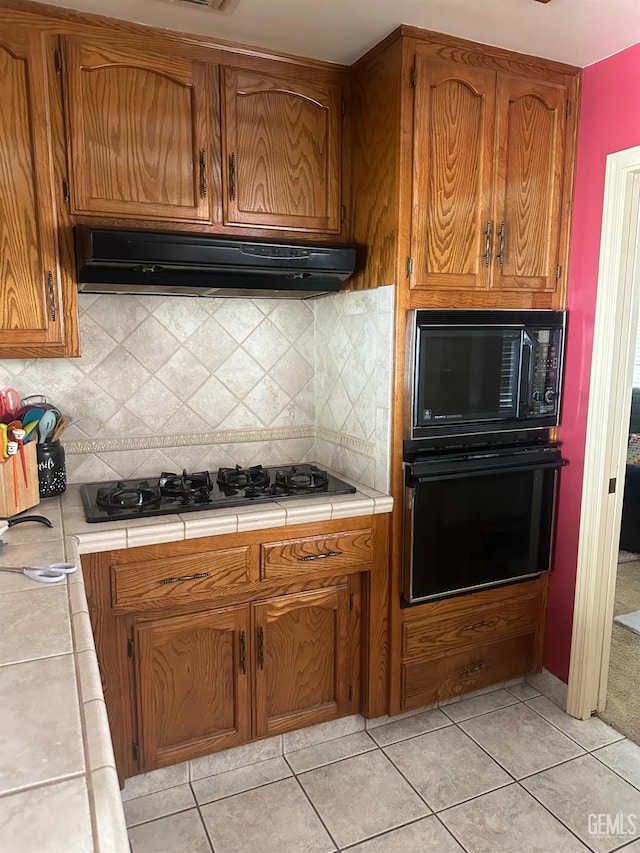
point(15, 499)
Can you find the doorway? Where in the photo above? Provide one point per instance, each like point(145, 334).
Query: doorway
point(616, 319)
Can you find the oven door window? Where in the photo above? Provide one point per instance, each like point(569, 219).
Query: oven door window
point(479, 529)
point(466, 375)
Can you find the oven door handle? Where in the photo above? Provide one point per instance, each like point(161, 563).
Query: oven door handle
point(525, 385)
point(414, 480)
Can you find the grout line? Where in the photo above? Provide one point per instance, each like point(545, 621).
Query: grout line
point(317, 813)
point(559, 819)
point(551, 723)
point(612, 769)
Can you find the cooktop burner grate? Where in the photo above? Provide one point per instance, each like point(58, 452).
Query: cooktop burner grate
point(191, 492)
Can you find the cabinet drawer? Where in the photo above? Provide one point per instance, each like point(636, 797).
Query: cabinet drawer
point(436, 631)
point(332, 553)
point(431, 680)
point(178, 580)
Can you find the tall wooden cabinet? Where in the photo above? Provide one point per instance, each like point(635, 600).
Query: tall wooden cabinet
point(138, 133)
point(32, 312)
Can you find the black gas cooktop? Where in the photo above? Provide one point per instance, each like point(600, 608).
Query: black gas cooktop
point(176, 493)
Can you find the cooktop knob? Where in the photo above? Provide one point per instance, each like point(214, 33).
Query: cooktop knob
point(549, 395)
point(536, 396)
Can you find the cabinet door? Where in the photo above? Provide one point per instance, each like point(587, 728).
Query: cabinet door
point(302, 659)
point(137, 133)
point(192, 685)
point(30, 292)
point(281, 147)
point(529, 167)
point(452, 173)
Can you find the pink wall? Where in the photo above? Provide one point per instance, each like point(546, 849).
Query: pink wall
point(609, 121)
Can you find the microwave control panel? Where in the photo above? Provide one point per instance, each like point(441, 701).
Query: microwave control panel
point(545, 371)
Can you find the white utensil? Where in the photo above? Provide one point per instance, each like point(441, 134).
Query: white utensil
point(45, 573)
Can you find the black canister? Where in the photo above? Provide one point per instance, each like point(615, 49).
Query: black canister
point(52, 471)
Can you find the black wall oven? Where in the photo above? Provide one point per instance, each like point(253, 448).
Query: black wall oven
point(481, 472)
point(478, 518)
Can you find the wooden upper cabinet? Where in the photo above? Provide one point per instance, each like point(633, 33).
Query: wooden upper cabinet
point(530, 152)
point(192, 682)
point(31, 314)
point(302, 659)
point(452, 173)
point(281, 139)
point(488, 169)
point(138, 133)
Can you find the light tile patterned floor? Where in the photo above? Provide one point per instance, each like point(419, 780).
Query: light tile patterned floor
point(502, 772)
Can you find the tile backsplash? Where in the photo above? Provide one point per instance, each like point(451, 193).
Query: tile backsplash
point(173, 382)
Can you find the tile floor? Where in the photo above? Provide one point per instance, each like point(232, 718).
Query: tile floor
point(499, 772)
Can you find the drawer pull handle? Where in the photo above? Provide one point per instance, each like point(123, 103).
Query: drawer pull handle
point(484, 623)
point(187, 578)
point(243, 652)
point(260, 648)
point(320, 556)
point(474, 667)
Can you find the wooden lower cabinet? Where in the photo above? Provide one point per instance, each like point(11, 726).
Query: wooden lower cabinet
point(192, 684)
point(456, 645)
point(200, 651)
point(303, 671)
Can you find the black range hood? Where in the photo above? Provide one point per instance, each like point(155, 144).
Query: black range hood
point(159, 263)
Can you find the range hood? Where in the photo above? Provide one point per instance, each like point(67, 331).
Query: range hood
point(171, 264)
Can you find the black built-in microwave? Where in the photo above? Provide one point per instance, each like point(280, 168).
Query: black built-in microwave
point(480, 372)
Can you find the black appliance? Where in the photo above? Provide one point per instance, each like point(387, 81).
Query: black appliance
point(481, 372)
point(172, 493)
point(478, 517)
point(174, 264)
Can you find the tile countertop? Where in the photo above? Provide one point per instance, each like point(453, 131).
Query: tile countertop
point(59, 789)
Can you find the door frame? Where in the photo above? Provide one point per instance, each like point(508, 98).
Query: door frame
point(616, 320)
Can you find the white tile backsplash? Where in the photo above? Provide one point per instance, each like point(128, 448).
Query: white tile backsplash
point(292, 380)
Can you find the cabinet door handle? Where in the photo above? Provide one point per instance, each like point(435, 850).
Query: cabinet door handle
point(487, 244)
point(474, 667)
point(232, 176)
point(320, 556)
point(203, 173)
point(52, 296)
point(484, 623)
point(260, 648)
point(243, 652)
point(197, 576)
point(501, 249)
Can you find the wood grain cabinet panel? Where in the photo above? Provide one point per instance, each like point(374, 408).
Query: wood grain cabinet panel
point(488, 177)
point(281, 140)
point(138, 133)
point(530, 148)
point(182, 580)
point(452, 172)
point(431, 680)
point(31, 311)
point(329, 554)
point(302, 659)
point(192, 685)
point(446, 625)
